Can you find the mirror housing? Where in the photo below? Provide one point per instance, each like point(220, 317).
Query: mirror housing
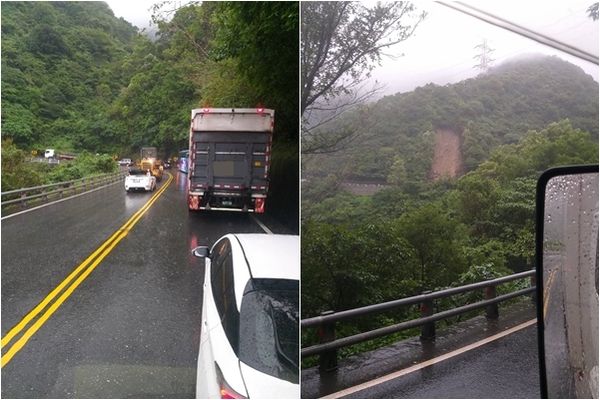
point(566, 258)
point(201, 252)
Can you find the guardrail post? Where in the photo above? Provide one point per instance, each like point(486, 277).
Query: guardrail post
point(532, 283)
point(491, 311)
point(327, 360)
point(428, 329)
point(23, 202)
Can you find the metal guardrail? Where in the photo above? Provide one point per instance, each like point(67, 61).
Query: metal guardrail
point(327, 348)
point(33, 196)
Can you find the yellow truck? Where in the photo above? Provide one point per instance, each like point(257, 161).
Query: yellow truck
point(150, 162)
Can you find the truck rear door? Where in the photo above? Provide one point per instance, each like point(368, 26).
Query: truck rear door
point(230, 160)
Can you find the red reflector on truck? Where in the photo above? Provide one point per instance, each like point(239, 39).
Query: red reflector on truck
point(259, 206)
point(194, 202)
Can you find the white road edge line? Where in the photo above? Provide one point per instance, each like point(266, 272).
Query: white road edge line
point(427, 363)
point(55, 202)
point(263, 226)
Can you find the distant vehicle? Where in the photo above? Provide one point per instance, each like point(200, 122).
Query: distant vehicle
point(125, 162)
point(183, 162)
point(250, 315)
point(52, 154)
point(167, 164)
point(150, 162)
point(149, 152)
point(230, 156)
point(139, 179)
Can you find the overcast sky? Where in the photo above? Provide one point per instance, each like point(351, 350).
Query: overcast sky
point(137, 12)
point(443, 46)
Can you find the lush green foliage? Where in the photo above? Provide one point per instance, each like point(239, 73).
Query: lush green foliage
point(18, 173)
point(85, 164)
point(489, 110)
point(484, 218)
point(75, 78)
point(421, 235)
point(60, 69)
point(359, 250)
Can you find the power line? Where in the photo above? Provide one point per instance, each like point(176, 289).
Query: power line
point(520, 30)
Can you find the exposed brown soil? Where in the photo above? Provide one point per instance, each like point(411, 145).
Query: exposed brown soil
point(447, 158)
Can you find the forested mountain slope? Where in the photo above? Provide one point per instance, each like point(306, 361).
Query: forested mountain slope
point(61, 68)
point(77, 79)
point(398, 132)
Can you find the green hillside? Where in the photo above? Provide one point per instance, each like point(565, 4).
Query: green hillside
point(77, 79)
point(61, 68)
point(492, 109)
point(419, 234)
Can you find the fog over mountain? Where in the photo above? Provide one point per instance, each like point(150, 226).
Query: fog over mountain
point(443, 47)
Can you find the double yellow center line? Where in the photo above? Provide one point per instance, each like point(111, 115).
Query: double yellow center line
point(74, 280)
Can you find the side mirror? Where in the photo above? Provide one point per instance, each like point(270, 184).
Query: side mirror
point(567, 281)
point(201, 251)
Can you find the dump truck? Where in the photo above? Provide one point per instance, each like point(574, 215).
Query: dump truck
point(149, 162)
point(229, 159)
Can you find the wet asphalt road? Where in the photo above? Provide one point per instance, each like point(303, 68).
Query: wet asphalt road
point(131, 329)
point(501, 369)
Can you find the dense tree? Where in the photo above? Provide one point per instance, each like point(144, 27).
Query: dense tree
point(76, 78)
point(348, 267)
point(59, 61)
point(437, 240)
point(263, 37)
point(447, 232)
point(487, 111)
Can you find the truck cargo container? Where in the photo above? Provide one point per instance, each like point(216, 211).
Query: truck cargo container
point(229, 159)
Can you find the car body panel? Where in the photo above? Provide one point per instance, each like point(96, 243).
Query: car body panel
point(263, 386)
point(140, 182)
point(281, 246)
point(215, 348)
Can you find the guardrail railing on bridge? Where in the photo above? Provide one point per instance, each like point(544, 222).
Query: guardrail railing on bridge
point(21, 199)
point(327, 348)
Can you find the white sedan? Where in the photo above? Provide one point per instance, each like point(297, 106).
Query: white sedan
point(250, 318)
point(140, 180)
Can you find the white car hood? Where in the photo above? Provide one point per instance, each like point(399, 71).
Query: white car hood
point(263, 386)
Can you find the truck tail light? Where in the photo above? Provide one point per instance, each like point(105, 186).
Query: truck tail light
point(194, 202)
point(229, 393)
point(259, 205)
point(225, 390)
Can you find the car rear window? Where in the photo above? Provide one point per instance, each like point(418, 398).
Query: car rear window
point(269, 327)
point(137, 172)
